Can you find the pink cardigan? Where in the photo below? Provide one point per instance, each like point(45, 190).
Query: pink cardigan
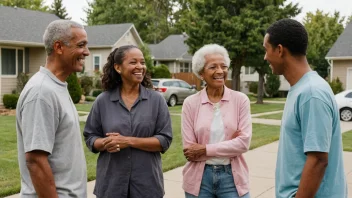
point(197, 115)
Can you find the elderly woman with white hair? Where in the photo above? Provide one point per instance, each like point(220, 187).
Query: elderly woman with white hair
point(216, 131)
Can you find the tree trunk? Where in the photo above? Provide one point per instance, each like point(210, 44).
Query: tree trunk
point(260, 93)
point(236, 71)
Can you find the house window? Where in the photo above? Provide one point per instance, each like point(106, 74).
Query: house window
point(249, 70)
point(96, 61)
point(185, 67)
point(12, 61)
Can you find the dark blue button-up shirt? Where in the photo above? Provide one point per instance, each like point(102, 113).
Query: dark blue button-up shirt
point(139, 170)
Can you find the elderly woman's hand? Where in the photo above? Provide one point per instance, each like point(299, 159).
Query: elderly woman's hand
point(194, 152)
point(114, 142)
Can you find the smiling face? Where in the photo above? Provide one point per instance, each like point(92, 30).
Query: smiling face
point(273, 56)
point(215, 71)
point(133, 68)
point(73, 55)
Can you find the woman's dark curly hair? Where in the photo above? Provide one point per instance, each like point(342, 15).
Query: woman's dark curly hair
point(110, 78)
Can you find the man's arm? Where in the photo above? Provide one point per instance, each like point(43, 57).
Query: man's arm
point(41, 173)
point(312, 174)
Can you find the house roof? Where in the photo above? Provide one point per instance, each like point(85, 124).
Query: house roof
point(26, 27)
point(172, 47)
point(23, 25)
point(342, 48)
point(108, 35)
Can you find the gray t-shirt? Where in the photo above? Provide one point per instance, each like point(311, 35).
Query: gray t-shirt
point(47, 120)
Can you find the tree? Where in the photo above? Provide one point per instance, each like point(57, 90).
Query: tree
point(161, 71)
point(272, 84)
point(152, 18)
point(147, 57)
point(59, 10)
point(27, 4)
point(236, 24)
point(323, 30)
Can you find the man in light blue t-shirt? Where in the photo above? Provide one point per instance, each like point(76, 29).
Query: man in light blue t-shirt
point(309, 161)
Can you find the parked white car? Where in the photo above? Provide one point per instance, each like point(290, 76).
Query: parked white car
point(344, 102)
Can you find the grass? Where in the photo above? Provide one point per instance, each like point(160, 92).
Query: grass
point(9, 171)
point(82, 114)
point(347, 141)
point(84, 107)
point(267, 107)
point(276, 116)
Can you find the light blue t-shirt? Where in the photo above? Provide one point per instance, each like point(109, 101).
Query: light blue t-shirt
point(310, 122)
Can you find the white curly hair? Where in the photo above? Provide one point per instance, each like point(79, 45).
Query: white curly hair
point(198, 60)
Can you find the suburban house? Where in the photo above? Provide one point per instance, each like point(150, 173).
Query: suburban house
point(248, 75)
point(22, 48)
point(340, 58)
point(172, 52)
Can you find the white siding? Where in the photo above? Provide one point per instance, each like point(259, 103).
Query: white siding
point(37, 58)
point(89, 64)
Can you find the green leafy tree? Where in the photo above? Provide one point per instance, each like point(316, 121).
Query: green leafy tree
point(59, 10)
point(152, 18)
point(236, 24)
point(323, 30)
point(74, 88)
point(147, 57)
point(27, 4)
point(272, 84)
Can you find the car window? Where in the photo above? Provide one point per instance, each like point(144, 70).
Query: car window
point(155, 83)
point(184, 84)
point(349, 95)
point(171, 84)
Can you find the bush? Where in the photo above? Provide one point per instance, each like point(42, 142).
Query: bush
point(272, 84)
point(90, 98)
point(74, 88)
point(336, 85)
point(253, 87)
point(22, 80)
point(161, 71)
point(86, 84)
point(10, 100)
point(97, 80)
point(97, 92)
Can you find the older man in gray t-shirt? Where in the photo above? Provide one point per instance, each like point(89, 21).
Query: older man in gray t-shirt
point(48, 121)
point(50, 152)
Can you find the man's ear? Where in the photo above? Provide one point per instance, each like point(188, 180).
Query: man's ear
point(58, 47)
point(280, 49)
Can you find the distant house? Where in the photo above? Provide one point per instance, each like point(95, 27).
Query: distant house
point(172, 52)
point(248, 75)
point(340, 58)
point(22, 48)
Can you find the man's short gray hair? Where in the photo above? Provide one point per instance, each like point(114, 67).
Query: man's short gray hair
point(58, 30)
point(198, 60)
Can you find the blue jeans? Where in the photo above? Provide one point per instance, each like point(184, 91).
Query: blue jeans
point(217, 182)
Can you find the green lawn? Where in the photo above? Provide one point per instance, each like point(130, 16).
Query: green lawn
point(267, 107)
point(347, 141)
point(276, 116)
point(84, 107)
point(9, 172)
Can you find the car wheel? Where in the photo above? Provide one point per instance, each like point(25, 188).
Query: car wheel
point(172, 100)
point(346, 114)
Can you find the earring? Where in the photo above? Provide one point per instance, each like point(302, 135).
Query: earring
point(118, 71)
point(201, 78)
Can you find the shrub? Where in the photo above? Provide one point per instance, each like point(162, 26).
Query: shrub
point(97, 80)
point(90, 98)
point(10, 101)
point(272, 84)
point(86, 84)
point(336, 85)
point(74, 88)
point(97, 92)
point(161, 71)
point(22, 80)
point(253, 87)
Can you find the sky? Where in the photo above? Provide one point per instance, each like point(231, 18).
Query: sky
point(75, 8)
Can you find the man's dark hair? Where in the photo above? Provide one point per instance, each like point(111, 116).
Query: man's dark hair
point(290, 34)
